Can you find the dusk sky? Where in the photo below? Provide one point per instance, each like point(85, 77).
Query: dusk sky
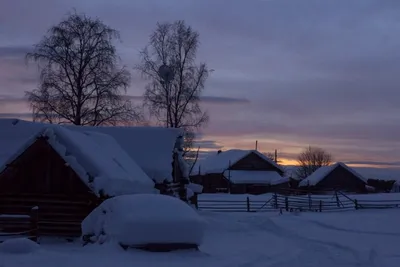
point(287, 73)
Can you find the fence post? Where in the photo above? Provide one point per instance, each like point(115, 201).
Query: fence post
point(276, 200)
point(196, 201)
point(287, 203)
point(320, 206)
point(34, 223)
point(309, 202)
point(248, 204)
point(356, 204)
point(337, 199)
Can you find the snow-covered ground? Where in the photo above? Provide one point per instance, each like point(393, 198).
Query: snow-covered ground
point(357, 238)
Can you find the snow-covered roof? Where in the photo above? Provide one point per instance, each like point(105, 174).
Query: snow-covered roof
point(150, 147)
point(96, 158)
point(324, 171)
point(219, 162)
point(252, 177)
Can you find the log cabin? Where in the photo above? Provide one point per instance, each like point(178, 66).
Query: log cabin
point(66, 174)
point(336, 177)
point(238, 172)
point(29, 160)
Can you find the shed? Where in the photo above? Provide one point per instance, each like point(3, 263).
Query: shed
point(338, 176)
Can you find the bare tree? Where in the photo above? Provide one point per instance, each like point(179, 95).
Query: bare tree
point(311, 159)
point(175, 80)
point(270, 155)
point(80, 81)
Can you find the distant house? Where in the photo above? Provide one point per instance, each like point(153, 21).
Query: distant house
point(66, 174)
point(238, 172)
point(338, 176)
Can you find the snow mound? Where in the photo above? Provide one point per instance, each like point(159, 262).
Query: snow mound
point(144, 219)
point(18, 246)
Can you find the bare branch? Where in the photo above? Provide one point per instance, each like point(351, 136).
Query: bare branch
point(195, 160)
point(311, 159)
point(80, 81)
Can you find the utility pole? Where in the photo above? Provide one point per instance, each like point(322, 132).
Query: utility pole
point(256, 144)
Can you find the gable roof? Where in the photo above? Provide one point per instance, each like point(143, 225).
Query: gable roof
point(96, 158)
point(324, 171)
point(219, 162)
point(150, 147)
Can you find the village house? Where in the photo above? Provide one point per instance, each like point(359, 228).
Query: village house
point(338, 176)
point(238, 172)
point(67, 171)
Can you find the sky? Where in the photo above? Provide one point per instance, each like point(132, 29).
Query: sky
point(287, 73)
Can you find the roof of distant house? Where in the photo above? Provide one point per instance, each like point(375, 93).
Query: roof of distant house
point(219, 162)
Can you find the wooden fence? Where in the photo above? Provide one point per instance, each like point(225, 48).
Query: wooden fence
point(57, 216)
point(317, 203)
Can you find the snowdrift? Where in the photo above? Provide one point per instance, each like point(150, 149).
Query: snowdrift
point(145, 221)
point(18, 246)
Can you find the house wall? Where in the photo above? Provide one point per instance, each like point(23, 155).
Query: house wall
point(253, 189)
point(39, 177)
point(212, 183)
point(343, 180)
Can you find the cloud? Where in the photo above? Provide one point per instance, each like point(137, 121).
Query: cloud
point(14, 51)
point(26, 116)
point(306, 72)
point(10, 99)
point(208, 99)
point(375, 163)
point(207, 144)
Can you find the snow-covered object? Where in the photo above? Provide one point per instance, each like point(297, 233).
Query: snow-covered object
point(324, 171)
point(18, 246)
point(219, 162)
point(13, 135)
point(196, 188)
point(96, 158)
point(253, 177)
point(143, 219)
point(150, 147)
point(395, 187)
point(370, 188)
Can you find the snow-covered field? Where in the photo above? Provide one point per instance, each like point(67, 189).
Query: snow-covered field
point(357, 238)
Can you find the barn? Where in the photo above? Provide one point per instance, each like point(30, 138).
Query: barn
point(66, 174)
point(237, 172)
point(338, 177)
